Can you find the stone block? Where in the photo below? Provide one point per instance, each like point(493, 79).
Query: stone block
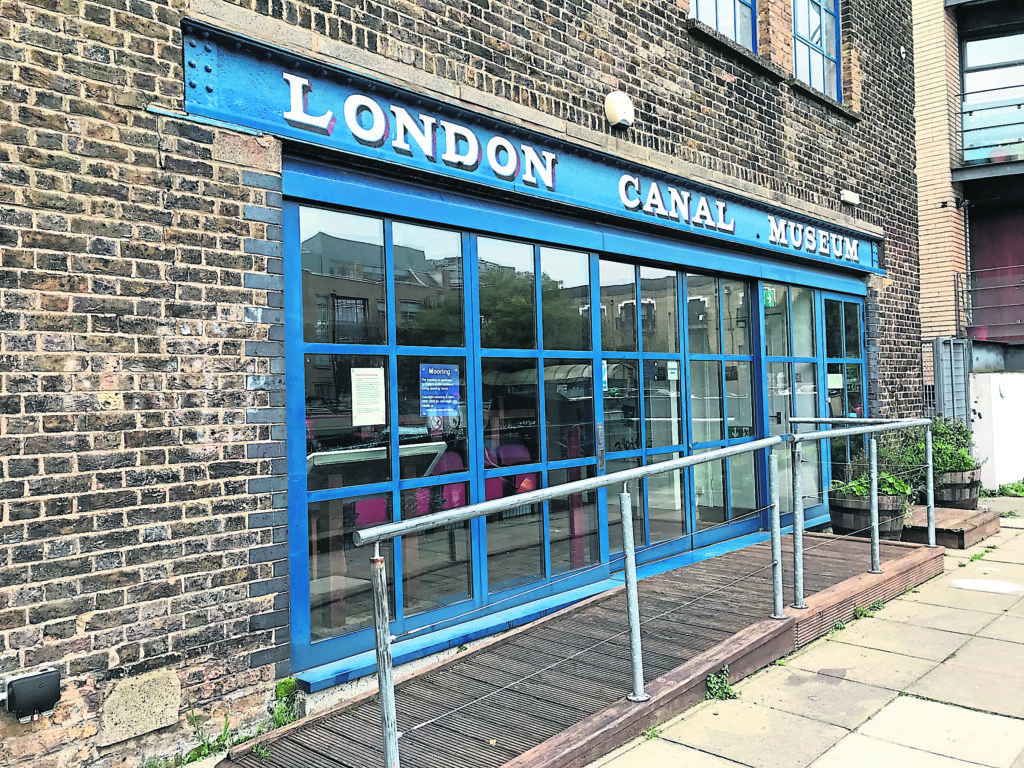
point(139, 705)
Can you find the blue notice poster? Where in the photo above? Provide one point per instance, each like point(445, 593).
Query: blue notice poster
point(439, 390)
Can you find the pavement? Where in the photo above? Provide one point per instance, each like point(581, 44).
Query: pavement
point(934, 679)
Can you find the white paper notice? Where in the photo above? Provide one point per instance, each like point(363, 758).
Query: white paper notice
point(673, 370)
point(368, 401)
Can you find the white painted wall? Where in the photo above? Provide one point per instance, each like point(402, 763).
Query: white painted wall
point(997, 411)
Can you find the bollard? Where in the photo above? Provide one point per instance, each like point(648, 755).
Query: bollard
point(798, 526)
point(875, 566)
point(632, 600)
point(931, 486)
point(778, 610)
point(385, 676)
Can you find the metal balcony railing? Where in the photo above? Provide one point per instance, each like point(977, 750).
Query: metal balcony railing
point(993, 126)
point(992, 303)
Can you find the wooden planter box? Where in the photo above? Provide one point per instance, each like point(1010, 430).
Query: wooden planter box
point(852, 515)
point(958, 490)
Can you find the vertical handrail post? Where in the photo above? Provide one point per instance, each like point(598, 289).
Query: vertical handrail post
point(875, 565)
point(385, 675)
point(778, 610)
point(632, 599)
point(931, 486)
point(798, 526)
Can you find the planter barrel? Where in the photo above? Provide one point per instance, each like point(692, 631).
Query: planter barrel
point(958, 490)
point(852, 515)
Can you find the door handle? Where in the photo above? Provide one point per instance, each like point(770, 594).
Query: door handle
point(599, 439)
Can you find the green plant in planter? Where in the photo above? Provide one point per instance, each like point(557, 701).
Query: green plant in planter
point(888, 485)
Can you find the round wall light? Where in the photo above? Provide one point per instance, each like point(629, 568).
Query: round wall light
point(618, 109)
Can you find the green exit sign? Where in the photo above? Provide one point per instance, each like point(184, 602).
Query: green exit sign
point(769, 297)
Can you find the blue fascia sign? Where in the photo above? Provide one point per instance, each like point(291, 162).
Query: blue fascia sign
point(245, 83)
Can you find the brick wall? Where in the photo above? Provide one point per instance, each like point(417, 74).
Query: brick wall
point(141, 371)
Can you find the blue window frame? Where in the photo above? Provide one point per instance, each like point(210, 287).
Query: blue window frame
point(816, 45)
point(733, 18)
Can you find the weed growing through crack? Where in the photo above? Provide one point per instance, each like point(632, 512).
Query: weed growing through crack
point(718, 686)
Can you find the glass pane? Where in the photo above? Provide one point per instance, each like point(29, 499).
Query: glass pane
point(994, 84)
point(829, 35)
point(636, 499)
point(343, 296)
point(511, 414)
point(812, 475)
point(565, 298)
point(515, 546)
point(709, 494)
point(435, 564)
point(785, 478)
point(507, 294)
point(706, 12)
point(744, 27)
point(994, 50)
point(622, 406)
point(702, 314)
point(836, 391)
point(431, 416)
point(739, 399)
point(666, 501)
point(817, 70)
point(851, 314)
point(855, 390)
point(618, 306)
point(743, 486)
point(801, 56)
point(776, 319)
point(726, 21)
point(778, 398)
point(735, 318)
point(569, 408)
point(340, 599)
point(833, 328)
point(662, 406)
point(801, 13)
point(814, 31)
point(572, 522)
point(831, 84)
point(806, 385)
point(347, 420)
point(428, 286)
point(706, 401)
point(803, 322)
point(659, 316)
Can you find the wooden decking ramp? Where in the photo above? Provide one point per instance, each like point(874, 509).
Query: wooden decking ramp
point(552, 693)
point(954, 528)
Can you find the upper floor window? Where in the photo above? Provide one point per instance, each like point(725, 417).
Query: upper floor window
point(993, 96)
point(733, 18)
point(816, 45)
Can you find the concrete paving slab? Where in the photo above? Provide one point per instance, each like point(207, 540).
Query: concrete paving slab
point(893, 671)
point(1003, 504)
point(989, 568)
point(973, 688)
point(947, 730)
point(1008, 628)
point(820, 697)
point(969, 599)
point(992, 656)
point(1017, 609)
point(659, 753)
point(1013, 522)
point(936, 617)
point(739, 730)
point(857, 749)
point(910, 640)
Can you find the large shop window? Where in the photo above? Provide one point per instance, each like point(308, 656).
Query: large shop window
point(816, 45)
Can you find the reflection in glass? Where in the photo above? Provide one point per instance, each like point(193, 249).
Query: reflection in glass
point(706, 401)
point(569, 408)
point(778, 398)
point(507, 297)
point(776, 319)
point(833, 328)
point(666, 501)
point(702, 314)
point(736, 318)
point(803, 322)
point(662, 406)
point(511, 414)
point(343, 296)
point(435, 563)
point(709, 494)
point(659, 321)
point(636, 499)
point(806, 404)
point(618, 306)
point(515, 547)
point(572, 523)
point(565, 298)
point(431, 416)
point(622, 406)
point(837, 405)
point(346, 420)
point(851, 314)
point(428, 286)
point(742, 486)
point(854, 390)
point(340, 599)
point(739, 399)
